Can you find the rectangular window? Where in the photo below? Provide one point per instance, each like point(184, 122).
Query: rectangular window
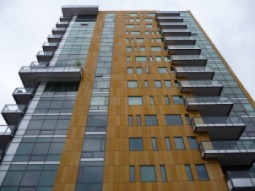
point(201, 172)
point(132, 173)
point(192, 143)
point(168, 144)
point(159, 40)
point(167, 102)
point(128, 59)
point(130, 120)
point(152, 100)
point(155, 48)
point(173, 120)
point(130, 70)
point(99, 101)
point(135, 32)
point(135, 144)
point(145, 83)
point(147, 20)
point(168, 83)
point(128, 49)
point(162, 70)
point(158, 58)
point(178, 100)
point(147, 32)
point(187, 119)
point(138, 120)
point(142, 48)
point(189, 172)
point(151, 14)
point(130, 26)
point(147, 70)
point(139, 70)
point(154, 143)
point(140, 59)
point(148, 26)
point(132, 84)
point(157, 84)
point(139, 40)
point(167, 59)
point(148, 174)
point(163, 173)
point(179, 144)
point(151, 120)
point(132, 14)
point(135, 100)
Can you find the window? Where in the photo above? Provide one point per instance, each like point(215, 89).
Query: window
point(102, 84)
point(152, 100)
point(129, 49)
point(155, 48)
point(162, 70)
point(145, 83)
point(187, 119)
point(148, 20)
point(132, 84)
point(130, 26)
point(154, 143)
point(159, 40)
point(147, 32)
point(140, 59)
point(168, 83)
point(139, 40)
point(151, 14)
point(173, 120)
point(135, 100)
point(128, 59)
point(168, 144)
point(167, 59)
point(148, 26)
point(135, 144)
point(138, 120)
point(147, 70)
point(96, 100)
point(151, 120)
point(192, 143)
point(132, 14)
point(163, 173)
point(142, 48)
point(179, 143)
point(178, 100)
point(188, 171)
point(148, 174)
point(166, 100)
point(130, 70)
point(130, 120)
point(132, 173)
point(135, 32)
point(139, 70)
point(157, 84)
point(158, 58)
point(201, 172)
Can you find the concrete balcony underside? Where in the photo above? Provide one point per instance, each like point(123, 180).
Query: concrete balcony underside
point(183, 50)
point(12, 114)
point(175, 32)
point(164, 25)
point(22, 95)
point(194, 73)
point(169, 19)
point(179, 41)
point(6, 134)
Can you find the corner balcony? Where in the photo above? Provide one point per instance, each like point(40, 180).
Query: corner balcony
point(13, 113)
point(37, 64)
point(241, 180)
point(175, 32)
point(65, 19)
point(229, 153)
point(55, 38)
point(50, 46)
point(62, 24)
point(209, 106)
point(58, 31)
point(6, 134)
point(23, 95)
point(169, 19)
point(219, 128)
point(194, 73)
point(201, 87)
point(191, 60)
point(44, 56)
point(164, 25)
point(180, 40)
point(168, 14)
point(183, 50)
point(32, 76)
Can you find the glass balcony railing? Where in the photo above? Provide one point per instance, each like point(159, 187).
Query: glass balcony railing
point(7, 129)
point(215, 121)
point(13, 113)
point(172, 25)
point(199, 83)
point(183, 50)
point(23, 95)
point(24, 91)
point(62, 24)
point(180, 40)
point(55, 36)
point(170, 19)
point(175, 32)
point(50, 44)
point(193, 69)
point(208, 100)
point(194, 73)
point(37, 64)
point(45, 53)
point(11, 108)
point(59, 29)
point(188, 60)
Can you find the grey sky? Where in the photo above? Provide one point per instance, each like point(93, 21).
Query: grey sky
point(25, 25)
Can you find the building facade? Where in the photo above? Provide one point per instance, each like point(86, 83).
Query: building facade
point(128, 100)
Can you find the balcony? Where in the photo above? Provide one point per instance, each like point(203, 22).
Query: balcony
point(13, 113)
point(209, 106)
point(168, 14)
point(54, 38)
point(59, 31)
point(62, 24)
point(65, 19)
point(183, 50)
point(44, 56)
point(169, 19)
point(180, 41)
point(194, 73)
point(201, 87)
point(164, 25)
point(241, 180)
point(229, 153)
point(23, 95)
point(32, 76)
point(219, 127)
point(191, 60)
point(50, 46)
point(6, 134)
point(72, 10)
point(175, 32)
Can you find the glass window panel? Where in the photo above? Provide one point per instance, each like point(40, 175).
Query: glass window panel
point(192, 143)
point(56, 148)
point(132, 173)
point(151, 120)
point(41, 148)
point(201, 171)
point(178, 100)
point(146, 84)
point(148, 174)
point(135, 101)
point(168, 144)
point(91, 174)
point(47, 178)
point(98, 101)
point(139, 70)
point(162, 70)
point(152, 100)
point(97, 120)
point(135, 144)
point(30, 178)
point(25, 148)
point(173, 120)
point(155, 48)
point(138, 120)
point(13, 178)
point(49, 124)
point(157, 84)
point(132, 84)
point(168, 83)
point(130, 71)
point(163, 173)
point(158, 58)
point(189, 172)
point(130, 120)
point(154, 143)
point(167, 102)
point(179, 143)
point(140, 59)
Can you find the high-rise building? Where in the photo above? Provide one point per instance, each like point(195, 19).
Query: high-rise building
point(128, 100)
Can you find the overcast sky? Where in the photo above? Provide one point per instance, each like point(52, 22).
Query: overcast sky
point(25, 25)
